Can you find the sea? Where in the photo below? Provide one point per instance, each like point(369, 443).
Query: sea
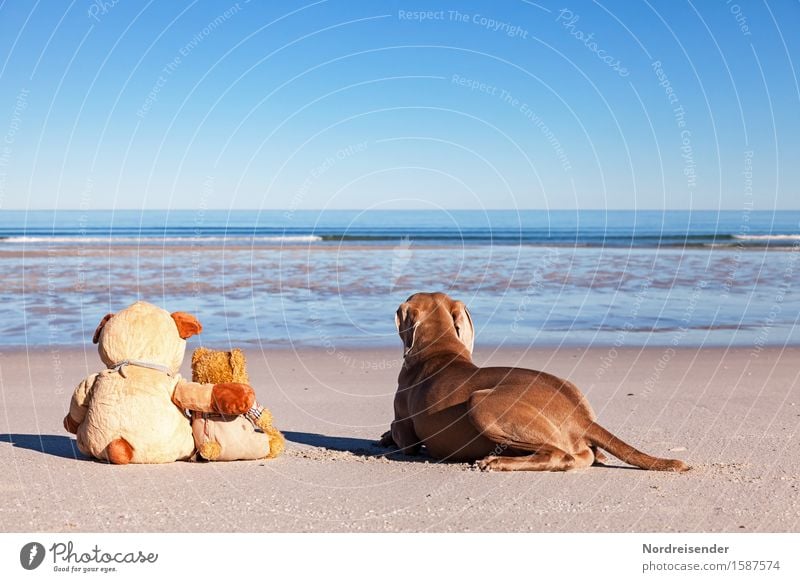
point(333, 279)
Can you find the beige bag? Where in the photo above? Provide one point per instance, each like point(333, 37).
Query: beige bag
point(228, 438)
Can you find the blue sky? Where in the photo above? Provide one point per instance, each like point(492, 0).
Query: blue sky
point(336, 104)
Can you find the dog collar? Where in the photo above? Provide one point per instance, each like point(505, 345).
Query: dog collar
point(120, 367)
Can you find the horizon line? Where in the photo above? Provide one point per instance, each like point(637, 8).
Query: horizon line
point(195, 209)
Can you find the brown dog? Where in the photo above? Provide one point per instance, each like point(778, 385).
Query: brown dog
point(511, 419)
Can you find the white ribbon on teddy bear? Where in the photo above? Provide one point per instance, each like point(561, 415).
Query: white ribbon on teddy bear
point(120, 367)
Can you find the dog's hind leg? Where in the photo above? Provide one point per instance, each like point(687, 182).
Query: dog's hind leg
point(519, 427)
point(599, 457)
point(547, 458)
point(511, 422)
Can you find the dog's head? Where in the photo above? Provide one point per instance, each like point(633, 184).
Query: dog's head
point(434, 319)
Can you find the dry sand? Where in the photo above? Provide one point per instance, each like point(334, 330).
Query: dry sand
point(734, 415)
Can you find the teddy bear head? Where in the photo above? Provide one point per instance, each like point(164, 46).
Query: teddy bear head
point(214, 366)
point(144, 332)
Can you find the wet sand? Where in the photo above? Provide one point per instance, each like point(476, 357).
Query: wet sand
point(734, 415)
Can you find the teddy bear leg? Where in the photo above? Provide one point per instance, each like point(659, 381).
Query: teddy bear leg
point(277, 442)
point(262, 418)
point(119, 452)
point(210, 450)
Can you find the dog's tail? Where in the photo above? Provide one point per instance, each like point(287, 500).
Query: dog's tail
point(600, 437)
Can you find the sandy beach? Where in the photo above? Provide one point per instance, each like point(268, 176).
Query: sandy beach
point(732, 414)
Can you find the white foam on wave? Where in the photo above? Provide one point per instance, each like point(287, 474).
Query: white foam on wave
point(160, 240)
point(767, 236)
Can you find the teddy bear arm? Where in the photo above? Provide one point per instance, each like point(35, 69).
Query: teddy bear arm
point(225, 398)
point(193, 396)
point(79, 404)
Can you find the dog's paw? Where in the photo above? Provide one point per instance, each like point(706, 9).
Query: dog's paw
point(489, 464)
point(677, 466)
point(386, 441)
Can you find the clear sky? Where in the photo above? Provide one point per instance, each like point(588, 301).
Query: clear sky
point(342, 104)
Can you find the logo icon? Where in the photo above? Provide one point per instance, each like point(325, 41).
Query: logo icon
point(31, 555)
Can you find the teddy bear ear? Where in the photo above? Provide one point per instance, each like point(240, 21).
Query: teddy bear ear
point(100, 326)
point(238, 366)
point(198, 354)
point(187, 324)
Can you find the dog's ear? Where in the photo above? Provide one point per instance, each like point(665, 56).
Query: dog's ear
point(187, 324)
point(406, 326)
point(100, 326)
point(463, 324)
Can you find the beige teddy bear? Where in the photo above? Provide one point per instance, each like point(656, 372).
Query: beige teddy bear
point(133, 411)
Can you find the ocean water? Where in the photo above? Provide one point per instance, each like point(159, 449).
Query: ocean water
point(334, 279)
point(618, 229)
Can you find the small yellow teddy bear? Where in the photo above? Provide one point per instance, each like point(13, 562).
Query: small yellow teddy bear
point(221, 437)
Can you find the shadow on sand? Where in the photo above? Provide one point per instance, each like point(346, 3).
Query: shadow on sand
point(65, 447)
point(49, 444)
point(369, 448)
point(356, 446)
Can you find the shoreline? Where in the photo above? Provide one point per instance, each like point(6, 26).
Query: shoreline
point(546, 344)
point(94, 250)
point(733, 417)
